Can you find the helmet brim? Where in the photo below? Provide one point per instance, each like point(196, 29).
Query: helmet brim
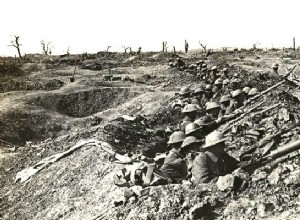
point(214, 143)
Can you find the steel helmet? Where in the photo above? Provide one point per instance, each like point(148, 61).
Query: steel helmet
point(214, 138)
point(275, 65)
point(184, 91)
point(192, 66)
point(214, 68)
point(225, 98)
point(219, 81)
point(195, 102)
point(226, 81)
point(237, 92)
point(212, 105)
point(190, 108)
point(253, 91)
point(208, 87)
point(199, 62)
point(191, 127)
point(246, 90)
point(189, 141)
point(225, 70)
point(176, 137)
point(236, 75)
point(204, 65)
point(199, 90)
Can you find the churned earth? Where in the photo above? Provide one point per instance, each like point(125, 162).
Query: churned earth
point(42, 113)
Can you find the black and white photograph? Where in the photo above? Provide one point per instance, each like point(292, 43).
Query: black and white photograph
point(149, 110)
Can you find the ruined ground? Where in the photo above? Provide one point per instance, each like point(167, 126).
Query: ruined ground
point(43, 113)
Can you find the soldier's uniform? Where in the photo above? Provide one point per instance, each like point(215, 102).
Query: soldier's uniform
point(209, 165)
point(174, 167)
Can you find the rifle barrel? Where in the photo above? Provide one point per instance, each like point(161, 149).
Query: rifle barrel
point(286, 149)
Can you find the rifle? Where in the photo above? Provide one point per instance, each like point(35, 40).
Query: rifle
point(264, 143)
point(269, 89)
point(234, 120)
point(282, 151)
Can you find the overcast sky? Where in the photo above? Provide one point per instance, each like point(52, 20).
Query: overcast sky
point(92, 25)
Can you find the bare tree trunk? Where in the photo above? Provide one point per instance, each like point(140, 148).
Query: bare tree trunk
point(17, 45)
point(294, 43)
point(164, 43)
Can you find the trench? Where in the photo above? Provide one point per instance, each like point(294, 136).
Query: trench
point(85, 103)
point(53, 110)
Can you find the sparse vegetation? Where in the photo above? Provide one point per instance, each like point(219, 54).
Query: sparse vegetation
point(46, 47)
point(16, 44)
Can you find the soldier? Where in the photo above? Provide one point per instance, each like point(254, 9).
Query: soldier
point(214, 161)
point(238, 97)
point(217, 88)
point(208, 91)
point(199, 66)
point(179, 63)
point(183, 100)
point(190, 146)
point(190, 114)
point(213, 109)
point(225, 105)
point(174, 167)
point(224, 74)
point(274, 73)
point(199, 93)
point(213, 74)
point(195, 130)
point(185, 92)
point(212, 120)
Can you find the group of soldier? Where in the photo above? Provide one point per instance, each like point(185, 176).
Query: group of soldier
point(204, 110)
point(196, 150)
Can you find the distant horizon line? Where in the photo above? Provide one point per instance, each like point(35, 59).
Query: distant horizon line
point(218, 49)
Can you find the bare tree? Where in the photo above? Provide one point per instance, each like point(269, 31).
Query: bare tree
point(174, 49)
point(166, 49)
point(46, 48)
point(15, 43)
point(125, 49)
point(130, 51)
point(139, 50)
point(203, 46)
point(186, 46)
point(294, 43)
point(108, 48)
point(68, 51)
point(164, 43)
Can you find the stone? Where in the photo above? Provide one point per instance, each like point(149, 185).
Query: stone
point(259, 175)
point(264, 209)
point(293, 178)
point(274, 177)
point(128, 193)
point(226, 183)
